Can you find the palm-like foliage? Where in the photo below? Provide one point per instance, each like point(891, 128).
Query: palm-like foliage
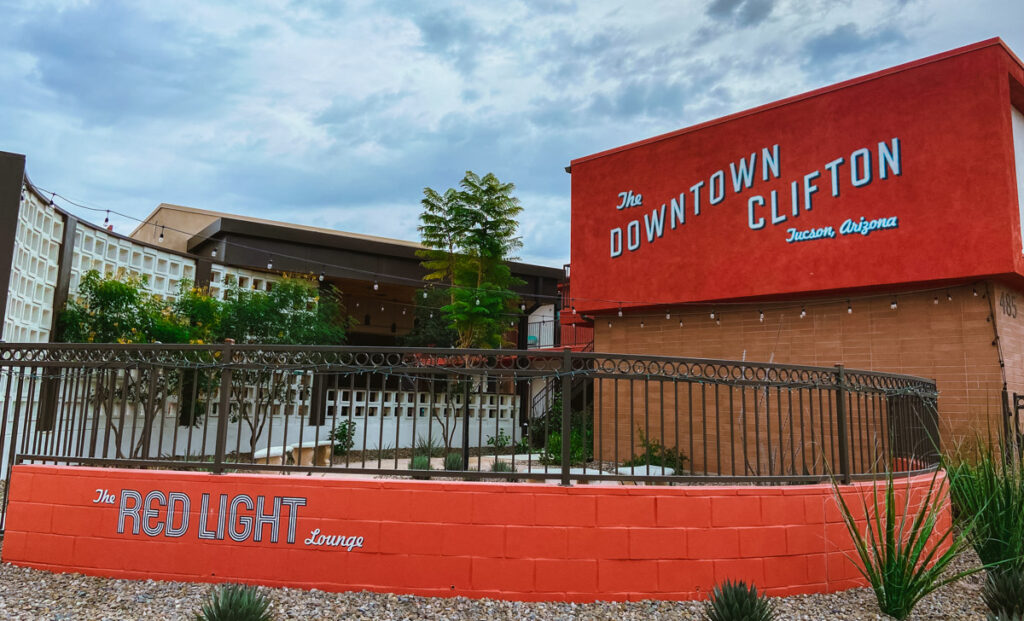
point(902, 554)
point(236, 602)
point(1003, 591)
point(735, 601)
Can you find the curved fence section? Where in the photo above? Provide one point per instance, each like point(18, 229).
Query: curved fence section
point(475, 414)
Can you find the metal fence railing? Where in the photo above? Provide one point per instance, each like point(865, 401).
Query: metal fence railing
point(458, 413)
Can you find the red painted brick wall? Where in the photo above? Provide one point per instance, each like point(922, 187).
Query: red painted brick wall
point(510, 541)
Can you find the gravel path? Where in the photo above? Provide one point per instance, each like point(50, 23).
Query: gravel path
point(32, 594)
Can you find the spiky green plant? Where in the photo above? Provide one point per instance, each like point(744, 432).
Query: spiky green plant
point(989, 491)
point(235, 602)
point(453, 461)
point(420, 462)
point(1003, 591)
point(902, 554)
point(735, 601)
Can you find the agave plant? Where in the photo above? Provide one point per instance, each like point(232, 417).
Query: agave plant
point(236, 602)
point(901, 552)
point(1003, 592)
point(735, 601)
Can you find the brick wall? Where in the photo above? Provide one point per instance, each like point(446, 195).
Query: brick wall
point(510, 541)
point(950, 341)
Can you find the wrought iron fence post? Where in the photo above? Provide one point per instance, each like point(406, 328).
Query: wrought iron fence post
point(843, 437)
point(465, 424)
point(224, 409)
point(566, 412)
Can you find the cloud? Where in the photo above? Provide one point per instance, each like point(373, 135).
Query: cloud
point(740, 12)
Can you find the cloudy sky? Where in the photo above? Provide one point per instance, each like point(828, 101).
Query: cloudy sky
point(339, 114)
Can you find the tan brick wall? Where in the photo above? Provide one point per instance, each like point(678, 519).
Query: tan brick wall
point(1008, 311)
point(951, 342)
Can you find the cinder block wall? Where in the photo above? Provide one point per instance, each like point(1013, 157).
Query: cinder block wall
point(952, 341)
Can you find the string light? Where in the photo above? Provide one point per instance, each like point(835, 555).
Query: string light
point(641, 323)
point(949, 297)
point(760, 317)
point(424, 294)
point(620, 311)
point(680, 323)
point(609, 323)
point(718, 321)
point(106, 219)
point(936, 300)
point(712, 313)
point(975, 291)
point(573, 310)
point(161, 238)
point(668, 315)
point(849, 308)
point(893, 304)
point(52, 194)
point(522, 306)
point(376, 286)
point(382, 308)
point(321, 277)
point(803, 312)
point(213, 253)
point(270, 263)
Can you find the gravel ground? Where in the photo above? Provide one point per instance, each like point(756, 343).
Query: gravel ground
point(32, 594)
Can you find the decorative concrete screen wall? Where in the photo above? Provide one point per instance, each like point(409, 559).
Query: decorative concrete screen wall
point(507, 540)
point(37, 247)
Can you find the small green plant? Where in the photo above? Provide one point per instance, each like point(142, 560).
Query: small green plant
point(654, 454)
point(990, 492)
point(735, 601)
point(901, 554)
point(504, 466)
point(580, 449)
point(453, 461)
point(499, 441)
point(430, 449)
point(344, 436)
point(236, 602)
point(1003, 592)
point(420, 462)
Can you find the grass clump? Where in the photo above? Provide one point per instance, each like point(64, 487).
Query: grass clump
point(735, 601)
point(453, 461)
point(1003, 593)
point(235, 602)
point(989, 492)
point(420, 462)
point(902, 554)
point(431, 449)
point(655, 454)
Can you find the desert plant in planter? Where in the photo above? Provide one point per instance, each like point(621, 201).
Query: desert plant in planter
point(420, 462)
point(900, 551)
point(735, 601)
point(236, 602)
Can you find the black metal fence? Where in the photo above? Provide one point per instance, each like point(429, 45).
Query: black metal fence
point(474, 414)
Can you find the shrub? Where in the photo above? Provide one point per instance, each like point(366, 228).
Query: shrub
point(430, 449)
point(235, 602)
point(580, 450)
point(734, 601)
point(344, 436)
point(420, 462)
point(1003, 592)
point(453, 461)
point(990, 493)
point(499, 441)
point(502, 466)
point(657, 455)
point(903, 556)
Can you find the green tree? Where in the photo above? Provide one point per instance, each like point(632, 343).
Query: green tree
point(431, 326)
point(470, 235)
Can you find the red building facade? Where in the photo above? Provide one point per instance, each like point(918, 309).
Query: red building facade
point(874, 223)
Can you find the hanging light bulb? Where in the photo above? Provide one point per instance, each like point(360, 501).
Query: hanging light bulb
point(975, 291)
point(431, 314)
point(270, 263)
point(712, 313)
point(106, 219)
point(213, 253)
point(382, 308)
point(760, 316)
point(424, 294)
point(849, 308)
point(357, 304)
point(668, 315)
point(680, 323)
point(803, 312)
point(478, 301)
point(949, 298)
point(376, 286)
point(620, 311)
point(403, 310)
point(522, 307)
point(718, 321)
point(321, 277)
point(641, 323)
point(161, 238)
point(892, 305)
point(573, 310)
point(609, 323)
point(936, 300)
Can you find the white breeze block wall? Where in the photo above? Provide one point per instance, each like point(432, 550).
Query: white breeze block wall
point(107, 254)
point(37, 242)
